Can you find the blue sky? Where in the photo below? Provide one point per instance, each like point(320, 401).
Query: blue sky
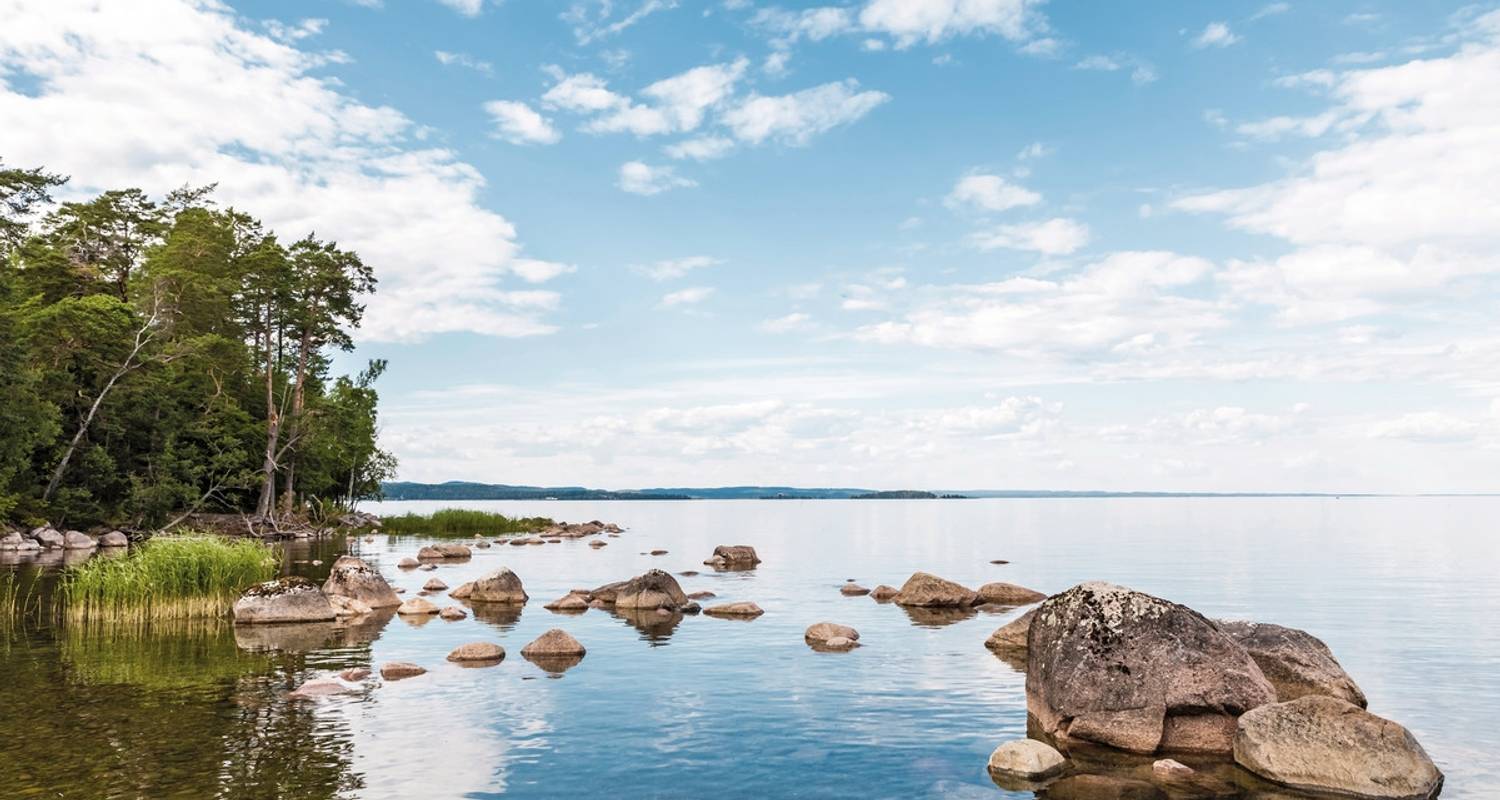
point(888, 243)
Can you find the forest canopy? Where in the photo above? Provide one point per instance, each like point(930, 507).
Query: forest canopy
point(163, 356)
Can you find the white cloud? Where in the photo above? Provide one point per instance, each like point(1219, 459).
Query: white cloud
point(181, 93)
point(1141, 72)
point(446, 58)
point(675, 104)
point(989, 193)
point(912, 21)
point(795, 118)
point(1033, 151)
point(794, 321)
point(1215, 34)
point(519, 123)
point(674, 268)
point(582, 92)
point(468, 8)
point(684, 297)
point(1426, 426)
point(1270, 10)
point(594, 19)
point(813, 24)
point(703, 148)
point(291, 34)
point(1054, 237)
point(533, 270)
point(638, 177)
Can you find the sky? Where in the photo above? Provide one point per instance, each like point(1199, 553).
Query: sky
point(1006, 244)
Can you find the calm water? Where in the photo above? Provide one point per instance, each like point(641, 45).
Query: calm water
point(1404, 591)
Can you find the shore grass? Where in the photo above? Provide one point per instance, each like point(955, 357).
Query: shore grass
point(169, 577)
point(461, 522)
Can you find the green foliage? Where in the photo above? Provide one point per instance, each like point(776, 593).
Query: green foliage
point(461, 522)
point(153, 353)
point(169, 577)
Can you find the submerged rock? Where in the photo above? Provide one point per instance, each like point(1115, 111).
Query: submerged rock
point(831, 636)
point(284, 600)
point(1008, 594)
point(318, 687)
point(453, 613)
point(347, 606)
point(355, 674)
point(741, 610)
point(354, 578)
point(853, 590)
point(500, 586)
point(478, 652)
point(1012, 635)
point(1326, 744)
point(1027, 758)
point(1171, 770)
point(1121, 668)
point(397, 670)
point(733, 556)
point(703, 595)
point(1295, 662)
point(596, 544)
point(929, 591)
point(417, 606)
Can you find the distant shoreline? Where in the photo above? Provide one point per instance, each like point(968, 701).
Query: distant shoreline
point(465, 490)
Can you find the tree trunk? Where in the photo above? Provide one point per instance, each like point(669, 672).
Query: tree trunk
point(265, 506)
point(289, 493)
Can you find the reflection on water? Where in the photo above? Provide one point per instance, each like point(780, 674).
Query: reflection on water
point(748, 710)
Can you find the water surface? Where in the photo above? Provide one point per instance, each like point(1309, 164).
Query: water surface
point(1402, 589)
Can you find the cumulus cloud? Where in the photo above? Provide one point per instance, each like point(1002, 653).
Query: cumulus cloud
point(703, 148)
point(519, 123)
point(196, 97)
point(1215, 34)
point(1053, 237)
point(795, 118)
point(910, 22)
point(638, 177)
point(989, 193)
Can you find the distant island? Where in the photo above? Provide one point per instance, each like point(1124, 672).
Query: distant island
point(470, 490)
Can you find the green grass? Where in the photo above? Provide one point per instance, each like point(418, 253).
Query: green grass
point(460, 522)
point(169, 577)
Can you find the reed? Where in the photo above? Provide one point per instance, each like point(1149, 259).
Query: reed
point(461, 522)
point(169, 577)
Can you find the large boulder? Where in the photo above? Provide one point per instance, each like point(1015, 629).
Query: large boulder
point(500, 586)
point(740, 610)
point(1296, 663)
point(114, 539)
point(831, 636)
point(11, 541)
point(1117, 667)
point(1012, 635)
point(1027, 758)
point(554, 651)
point(733, 556)
point(290, 599)
point(78, 540)
point(351, 577)
point(1325, 744)
point(929, 591)
point(653, 589)
point(1008, 594)
point(48, 538)
point(442, 552)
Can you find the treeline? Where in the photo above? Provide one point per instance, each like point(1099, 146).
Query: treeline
point(165, 356)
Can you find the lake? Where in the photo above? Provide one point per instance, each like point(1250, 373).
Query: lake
point(1403, 590)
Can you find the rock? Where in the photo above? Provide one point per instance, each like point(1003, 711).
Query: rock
point(1168, 769)
point(554, 651)
point(831, 636)
point(1121, 668)
point(500, 586)
point(289, 599)
point(596, 544)
point(481, 544)
point(399, 590)
point(570, 602)
point(1295, 662)
point(1008, 594)
point(417, 606)
point(733, 556)
point(1027, 758)
point(347, 606)
point(483, 652)
point(353, 578)
point(658, 552)
point(883, 593)
point(355, 674)
point(396, 670)
point(48, 538)
point(1012, 635)
point(453, 613)
point(439, 552)
point(409, 563)
point(688, 573)
point(434, 585)
point(653, 589)
point(930, 591)
point(428, 567)
point(518, 541)
point(463, 591)
point(114, 539)
point(1326, 744)
point(76, 540)
point(741, 610)
point(999, 561)
point(318, 687)
point(1102, 787)
point(703, 595)
point(11, 541)
point(853, 590)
